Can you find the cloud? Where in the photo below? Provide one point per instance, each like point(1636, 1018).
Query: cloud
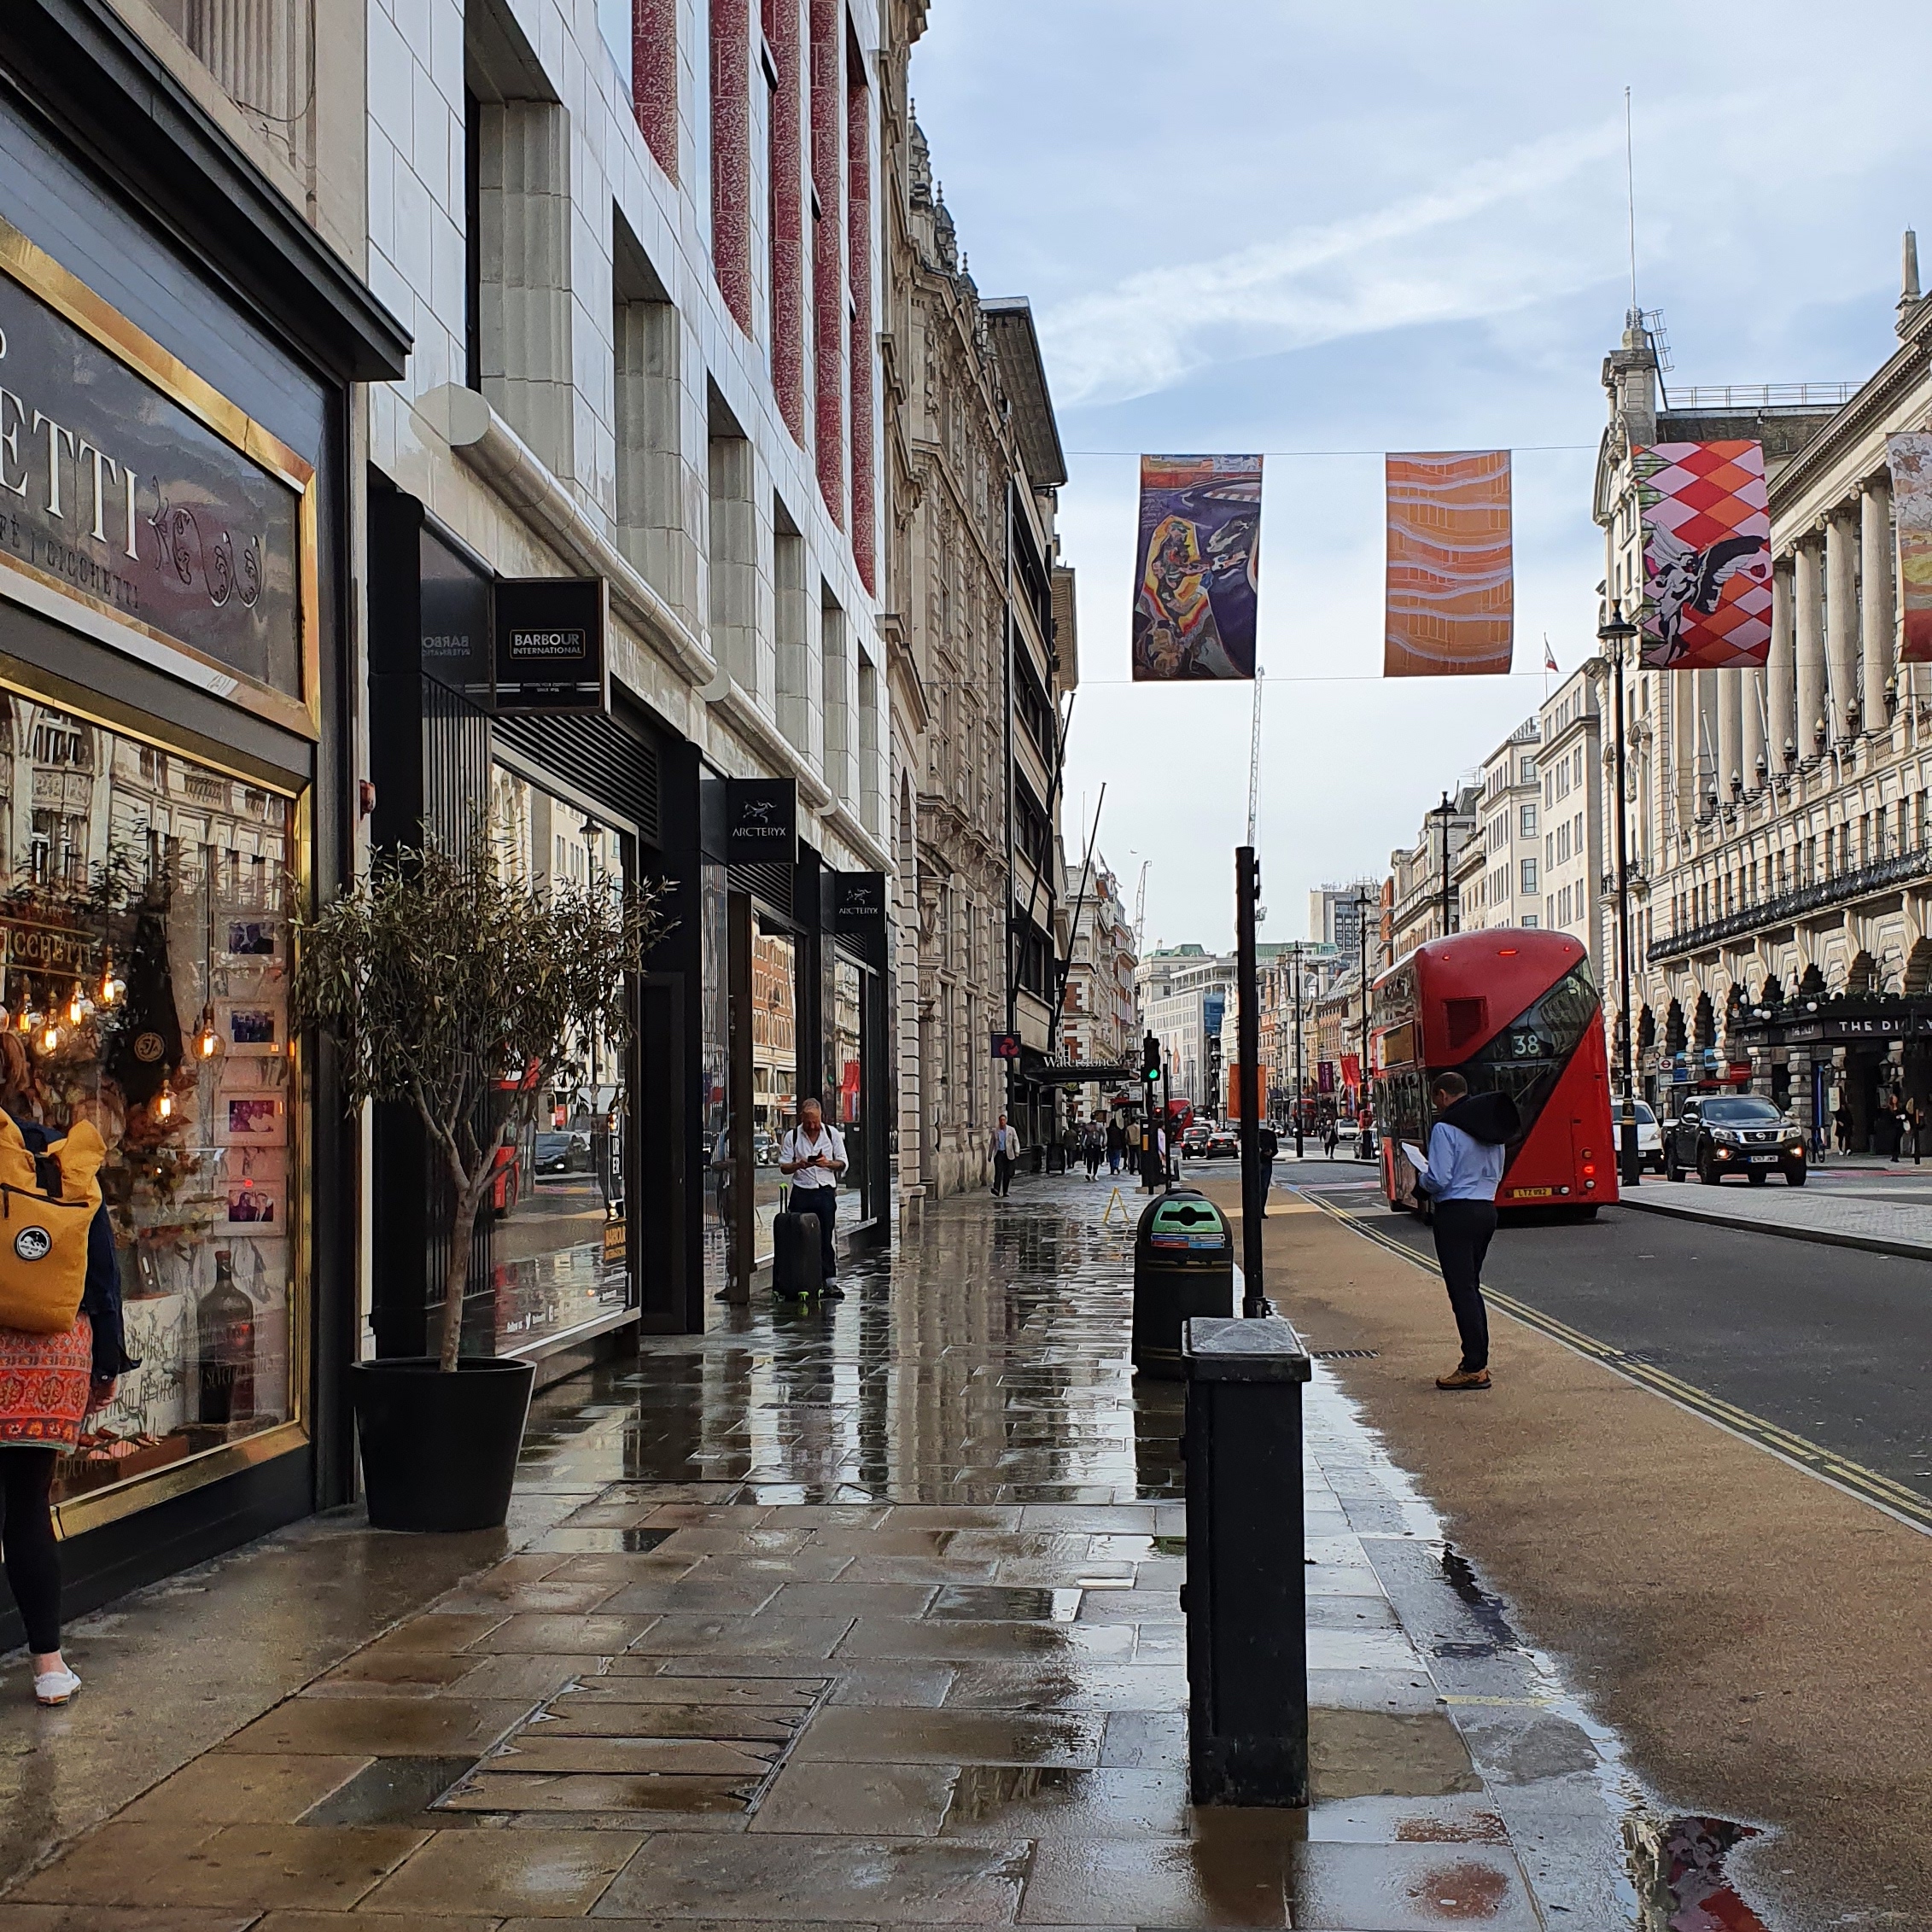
point(1339, 278)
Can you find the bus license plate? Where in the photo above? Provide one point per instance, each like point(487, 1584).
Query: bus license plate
point(1531, 1193)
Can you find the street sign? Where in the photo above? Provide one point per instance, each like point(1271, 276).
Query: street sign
point(1005, 1046)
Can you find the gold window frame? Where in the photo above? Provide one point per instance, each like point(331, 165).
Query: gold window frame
point(114, 1501)
point(37, 271)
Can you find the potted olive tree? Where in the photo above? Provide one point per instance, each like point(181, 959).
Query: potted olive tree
point(465, 992)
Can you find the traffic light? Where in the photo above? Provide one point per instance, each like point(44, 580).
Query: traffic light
point(1150, 1060)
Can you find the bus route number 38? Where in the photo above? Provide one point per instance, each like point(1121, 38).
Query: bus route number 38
point(1526, 1043)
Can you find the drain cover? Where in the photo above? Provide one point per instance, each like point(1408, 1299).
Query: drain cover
point(1345, 1354)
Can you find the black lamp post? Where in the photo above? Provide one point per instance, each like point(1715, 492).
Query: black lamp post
point(1616, 633)
point(1445, 812)
point(1361, 1148)
point(1297, 1050)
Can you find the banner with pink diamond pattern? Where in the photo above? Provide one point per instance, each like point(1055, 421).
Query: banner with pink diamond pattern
point(1706, 555)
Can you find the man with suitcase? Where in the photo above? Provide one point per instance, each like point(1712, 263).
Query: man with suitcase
point(812, 1156)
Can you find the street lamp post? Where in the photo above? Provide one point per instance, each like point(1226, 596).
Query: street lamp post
point(1616, 633)
point(1362, 1146)
point(1445, 812)
point(1298, 1051)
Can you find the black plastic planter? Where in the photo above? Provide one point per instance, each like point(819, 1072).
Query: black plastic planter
point(438, 1453)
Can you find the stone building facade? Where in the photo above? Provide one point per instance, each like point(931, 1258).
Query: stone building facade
point(1498, 872)
point(1576, 850)
point(981, 632)
point(1097, 1021)
point(1782, 852)
point(1416, 896)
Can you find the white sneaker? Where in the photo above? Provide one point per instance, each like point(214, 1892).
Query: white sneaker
point(53, 1688)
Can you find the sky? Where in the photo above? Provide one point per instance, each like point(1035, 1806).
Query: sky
point(1324, 232)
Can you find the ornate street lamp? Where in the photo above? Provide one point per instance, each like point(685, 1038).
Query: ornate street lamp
point(1614, 634)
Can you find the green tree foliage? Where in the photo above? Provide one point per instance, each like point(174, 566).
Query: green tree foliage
point(455, 986)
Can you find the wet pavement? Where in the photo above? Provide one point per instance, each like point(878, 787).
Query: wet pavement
point(866, 1615)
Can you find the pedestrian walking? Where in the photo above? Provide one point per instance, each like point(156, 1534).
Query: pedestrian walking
point(49, 1385)
point(1093, 1145)
point(812, 1156)
point(1331, 1135)
point(1842, 1121)
point(1915, 1116)
point(1465, 1154)
point(1116, 1146)
point(1006, 1150)
point(1269, 1148)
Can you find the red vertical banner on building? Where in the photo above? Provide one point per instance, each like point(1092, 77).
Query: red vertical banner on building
point(1706, 555)
point(786, 163)
point(827, 19)
point(1452, 567)
point(1910, 459)
point(859, 257)
point(731, 156)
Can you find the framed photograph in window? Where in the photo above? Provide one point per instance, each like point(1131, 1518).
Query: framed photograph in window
point(252, 1117)
point(250, 939)
point(259, 1208)
point(252, 1028)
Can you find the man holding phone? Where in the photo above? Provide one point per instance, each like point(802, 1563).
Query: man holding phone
point(812, 1156)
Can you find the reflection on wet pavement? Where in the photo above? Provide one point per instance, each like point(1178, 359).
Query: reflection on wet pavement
point(869, 1617)
point(1679, 1867)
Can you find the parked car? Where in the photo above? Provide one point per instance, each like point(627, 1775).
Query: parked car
point(764, 1148)
point(558, 1153)
point(1649, 1135)
point(1193, 1140)
point(1719, 1134)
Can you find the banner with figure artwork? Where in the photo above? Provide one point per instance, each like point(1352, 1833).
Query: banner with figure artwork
point(1451, 573)
point(1910, 459)
point(1199, 565)
point(1706, 555)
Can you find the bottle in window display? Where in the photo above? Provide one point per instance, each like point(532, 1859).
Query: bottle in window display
point(225, 1328)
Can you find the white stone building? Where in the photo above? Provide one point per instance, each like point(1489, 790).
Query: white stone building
point(1499, 870)
point(1579, 848)
point(1781, 816)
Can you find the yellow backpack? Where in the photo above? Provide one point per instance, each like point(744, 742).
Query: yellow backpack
point(42, 1232)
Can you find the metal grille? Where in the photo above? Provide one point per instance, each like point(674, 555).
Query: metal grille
point(772, 885)
point(1344, 1354)
point(596, 755)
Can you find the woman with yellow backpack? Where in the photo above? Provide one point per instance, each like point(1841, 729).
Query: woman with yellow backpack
point(60, 1351)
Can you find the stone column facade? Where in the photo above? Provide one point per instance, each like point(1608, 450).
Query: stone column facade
point(1880, 602)
point(1842, 620)
point(1814, 726)
point(1757, 762)
point(1781, 672)
point(1734, 776)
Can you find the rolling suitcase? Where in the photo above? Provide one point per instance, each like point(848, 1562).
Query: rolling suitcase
point(798, 1256)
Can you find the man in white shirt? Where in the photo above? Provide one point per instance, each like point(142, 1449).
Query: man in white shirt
point(812, 1156)
point(1006, 1150)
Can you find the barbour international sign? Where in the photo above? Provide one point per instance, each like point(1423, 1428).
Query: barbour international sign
point(141, 507)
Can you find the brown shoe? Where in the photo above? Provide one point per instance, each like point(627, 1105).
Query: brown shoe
point(1464, 1379)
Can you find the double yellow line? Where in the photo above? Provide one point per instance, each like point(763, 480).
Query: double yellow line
point(1867, 1484)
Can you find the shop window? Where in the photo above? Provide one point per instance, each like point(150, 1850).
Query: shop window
point(145, 990)
point(847, 1108)
point(775, 1073)
point(559, 1249)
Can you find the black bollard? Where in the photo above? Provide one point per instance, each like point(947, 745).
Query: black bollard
point(1246, 1600)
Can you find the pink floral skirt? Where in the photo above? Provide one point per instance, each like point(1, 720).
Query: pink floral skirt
point(43, 1385)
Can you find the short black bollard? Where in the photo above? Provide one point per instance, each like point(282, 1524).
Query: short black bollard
point(1246, 1598)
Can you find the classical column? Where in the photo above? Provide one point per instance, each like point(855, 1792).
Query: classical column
point(1880, 599)
point(1807, 605)
point(1711, 782)
point(1757, 762)
point(1733, 776)
point(1780, 672)
point(1841, 619)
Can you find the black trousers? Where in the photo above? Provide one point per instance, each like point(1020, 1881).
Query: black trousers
point(32, 1555)
point(1002, 1174)
point(824, 1203)
point(1463, 1231)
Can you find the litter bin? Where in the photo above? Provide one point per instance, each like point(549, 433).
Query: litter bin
point(1246, 1601)
point(1183, 1265)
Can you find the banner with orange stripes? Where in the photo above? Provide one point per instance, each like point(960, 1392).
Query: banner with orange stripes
point(1451, 577)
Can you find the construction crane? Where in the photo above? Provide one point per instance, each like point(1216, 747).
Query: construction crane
point(1141, 913)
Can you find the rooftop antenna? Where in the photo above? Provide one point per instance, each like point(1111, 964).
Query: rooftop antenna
point(1630, 199)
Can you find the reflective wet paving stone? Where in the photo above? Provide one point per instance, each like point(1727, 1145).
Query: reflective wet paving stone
point(866, 1619)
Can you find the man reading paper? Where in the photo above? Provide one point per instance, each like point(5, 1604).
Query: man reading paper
point(1467, 1151)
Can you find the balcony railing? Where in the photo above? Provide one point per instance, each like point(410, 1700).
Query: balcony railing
point(1730, 398)
point(1882, 875)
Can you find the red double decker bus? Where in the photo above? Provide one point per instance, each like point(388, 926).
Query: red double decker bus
point(1514, 1011)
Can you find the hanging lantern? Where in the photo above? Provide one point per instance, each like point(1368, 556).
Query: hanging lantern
point(165, 1105)
point(50, 1038)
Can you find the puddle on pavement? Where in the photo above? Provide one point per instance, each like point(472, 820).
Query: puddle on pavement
point(1679, 1864)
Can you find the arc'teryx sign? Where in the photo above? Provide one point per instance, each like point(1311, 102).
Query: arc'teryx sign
point(762, 821)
